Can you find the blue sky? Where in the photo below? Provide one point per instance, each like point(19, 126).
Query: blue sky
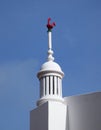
point(23, 48)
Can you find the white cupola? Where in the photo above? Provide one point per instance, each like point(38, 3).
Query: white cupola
point(50, 75)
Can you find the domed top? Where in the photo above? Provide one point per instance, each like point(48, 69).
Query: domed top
point(51, 66)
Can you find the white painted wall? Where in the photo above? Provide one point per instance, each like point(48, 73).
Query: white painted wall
point(57, 115)
point(39, 118)
point(78, 113)
point(84, 112)
point(48, 116)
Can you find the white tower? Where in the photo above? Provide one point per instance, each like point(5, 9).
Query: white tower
point(51, 111)
point(50, 75)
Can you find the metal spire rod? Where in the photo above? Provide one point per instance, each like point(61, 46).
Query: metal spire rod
point(49, 40)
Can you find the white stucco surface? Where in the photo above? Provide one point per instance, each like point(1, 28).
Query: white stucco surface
point(39, 118)
point(84, 112)
point(48, 116)
point(81, 112)
point(57, 116)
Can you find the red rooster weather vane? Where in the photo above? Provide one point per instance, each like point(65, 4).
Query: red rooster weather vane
point(50, 25)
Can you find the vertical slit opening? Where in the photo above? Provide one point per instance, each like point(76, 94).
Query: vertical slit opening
point(45, 85)
point(49, 85)
point(57, 86)
point(53, 85)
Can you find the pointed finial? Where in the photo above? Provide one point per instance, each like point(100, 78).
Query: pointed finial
point(50, 51)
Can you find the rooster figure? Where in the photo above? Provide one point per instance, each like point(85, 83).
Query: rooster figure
point(50, 25)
